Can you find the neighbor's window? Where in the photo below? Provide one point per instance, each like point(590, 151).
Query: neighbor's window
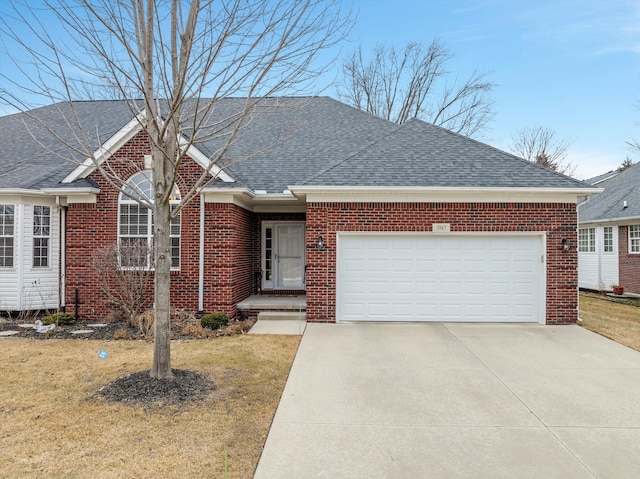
point(587, 240)
point(7, 218)
point(634, 238)
point(608, 239)
point(135, 230)
point(41, 234)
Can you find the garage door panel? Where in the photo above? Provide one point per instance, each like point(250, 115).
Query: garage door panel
point(498, 266)
point(404, 277)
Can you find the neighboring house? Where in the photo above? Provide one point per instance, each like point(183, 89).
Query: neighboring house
point(374, 221)
point(609, 233)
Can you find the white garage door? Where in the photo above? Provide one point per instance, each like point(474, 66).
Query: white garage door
point(405, 277)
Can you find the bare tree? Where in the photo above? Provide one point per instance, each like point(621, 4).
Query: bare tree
point(542, 146)
point(172, 61)
point(414, 83)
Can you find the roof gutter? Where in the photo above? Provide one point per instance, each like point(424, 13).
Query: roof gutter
point(302, 189)
point(609, 220)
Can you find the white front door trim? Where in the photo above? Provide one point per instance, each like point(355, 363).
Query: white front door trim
point(283, 255)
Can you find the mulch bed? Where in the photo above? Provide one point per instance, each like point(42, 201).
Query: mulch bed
point(120, 330)
point(140, 387)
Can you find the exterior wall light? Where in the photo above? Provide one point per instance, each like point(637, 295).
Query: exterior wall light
point(565, 244)
point(320, 242)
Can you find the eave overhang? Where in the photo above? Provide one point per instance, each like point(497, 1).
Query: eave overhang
point(313, 194)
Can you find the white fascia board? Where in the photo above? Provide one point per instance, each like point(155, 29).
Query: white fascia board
point(21, 192)
point(74, 195)
point(440, 194)
point(249, 200)
point(619, 221)
point(107, 149)
point(238, 196)
point(203, 160)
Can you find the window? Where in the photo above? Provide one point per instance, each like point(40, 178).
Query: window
point(7, 218)
point(135, 230)
point(41, 234)
point(268, 253)
point(607, 245)
point(634, 238)
point(587, 240)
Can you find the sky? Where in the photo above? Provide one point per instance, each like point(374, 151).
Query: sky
point(569, 65)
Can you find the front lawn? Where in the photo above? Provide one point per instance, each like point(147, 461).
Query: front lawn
point(614, 320)
point(53, 425)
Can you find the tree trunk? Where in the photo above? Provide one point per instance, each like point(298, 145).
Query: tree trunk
point(161, 368)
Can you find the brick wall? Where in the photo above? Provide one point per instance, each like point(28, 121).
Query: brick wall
point(92, 226)
point(629, 268)
point(557, 220)
point(229, 256)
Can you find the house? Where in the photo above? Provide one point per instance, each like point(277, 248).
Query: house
point(609, 233)
point(373, 221)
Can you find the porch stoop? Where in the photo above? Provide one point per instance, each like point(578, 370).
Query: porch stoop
point(282, 316)
point(257, 304)
point(276, 314)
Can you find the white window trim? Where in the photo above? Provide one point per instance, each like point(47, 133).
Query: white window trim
point(41, 236)
point(126, 200)
point(604, 240)
point(635, 237)
point(13, 236)
point(591, 240)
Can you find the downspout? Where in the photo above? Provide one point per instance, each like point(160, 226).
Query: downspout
point(20, 253)
point(63, 256)
point(201, 259)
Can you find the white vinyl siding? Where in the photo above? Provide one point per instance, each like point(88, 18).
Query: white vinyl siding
point(26, 286)
point(425, 277)
point(600, 270)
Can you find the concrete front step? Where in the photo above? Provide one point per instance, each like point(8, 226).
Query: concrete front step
point(282, 315)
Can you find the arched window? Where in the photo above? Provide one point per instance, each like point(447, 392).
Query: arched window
point(135, 224)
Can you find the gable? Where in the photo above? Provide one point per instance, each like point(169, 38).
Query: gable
point(122, 137)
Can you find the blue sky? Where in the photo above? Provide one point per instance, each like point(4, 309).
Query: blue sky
point(569, 65)
point(572, 66)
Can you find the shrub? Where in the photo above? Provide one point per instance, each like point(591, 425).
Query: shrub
point(144, 322)
point(58, 318)
point(214, 320)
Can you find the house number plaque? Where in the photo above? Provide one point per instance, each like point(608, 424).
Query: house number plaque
point(441, 227)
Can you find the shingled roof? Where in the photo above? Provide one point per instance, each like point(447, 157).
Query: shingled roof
point(315, 141)
point(33, 158)
point(609, 205)
point(419, 154)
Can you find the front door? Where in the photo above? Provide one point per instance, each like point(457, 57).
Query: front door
point(283, 255)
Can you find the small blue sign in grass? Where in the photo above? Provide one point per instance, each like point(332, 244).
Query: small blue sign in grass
point(103, 354)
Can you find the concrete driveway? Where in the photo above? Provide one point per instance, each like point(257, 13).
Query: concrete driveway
point(456, 400)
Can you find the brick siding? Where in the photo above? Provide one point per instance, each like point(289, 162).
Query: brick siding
point(233, 243)
point(228, 244)
point(629, 267)
point(556, 220)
